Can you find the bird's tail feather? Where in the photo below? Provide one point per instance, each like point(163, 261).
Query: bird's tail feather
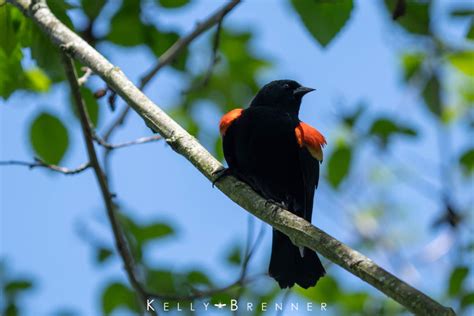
point(288, 267)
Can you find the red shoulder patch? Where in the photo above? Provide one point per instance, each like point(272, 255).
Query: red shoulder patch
point(311, 138)
point(227, 120)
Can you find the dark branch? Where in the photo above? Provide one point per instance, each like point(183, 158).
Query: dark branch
point(120, 240)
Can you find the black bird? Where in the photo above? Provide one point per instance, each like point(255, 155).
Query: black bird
point(268, 147)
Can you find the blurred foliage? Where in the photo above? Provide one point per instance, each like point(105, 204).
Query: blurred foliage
point(229, 83)
point(323, 19)
point(11, 289)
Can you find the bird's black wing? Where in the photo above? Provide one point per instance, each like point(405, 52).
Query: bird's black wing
point(309, 167)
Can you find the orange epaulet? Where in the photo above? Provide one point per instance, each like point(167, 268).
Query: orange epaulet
point(227, 120)
point(311, 138)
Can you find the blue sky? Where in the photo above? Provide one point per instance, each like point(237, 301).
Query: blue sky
point(42, 213)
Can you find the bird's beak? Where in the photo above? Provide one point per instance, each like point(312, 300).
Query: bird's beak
point(301, 91)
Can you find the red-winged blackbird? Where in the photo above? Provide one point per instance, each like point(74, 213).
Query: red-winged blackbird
point(268, 147)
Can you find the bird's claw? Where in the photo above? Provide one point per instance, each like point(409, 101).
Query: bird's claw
point(221, 173)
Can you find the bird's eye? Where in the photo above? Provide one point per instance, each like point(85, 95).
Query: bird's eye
point(286, 86)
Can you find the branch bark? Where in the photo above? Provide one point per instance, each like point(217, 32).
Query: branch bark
point(299, 230)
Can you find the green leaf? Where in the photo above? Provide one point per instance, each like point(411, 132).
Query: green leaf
point(14, 287)
point(467, 161)
point(235, 256)
point(218, 149)
point(59, 8)
point(126, 28)
point(9, 26)
point(431, 94)
point(196, 277)
point(416, 19)
point(159, 41)
point(92, 8)
point(172, 3)
point(354, 302)
point(46, 55)
point(11, 72)
point(327, 291)
point(464, 62)
point(456, 280)
point(117, 295)
point(92, 106)
point(467, 300)
point(470, 31)
point(339, 165)
point(103, 254)
point(385, 129)
point(412, 63)
point(462, 12)
point(153, 231)
point(323, 19)
point(36, 80)
point(161, 281)
point(49, 138)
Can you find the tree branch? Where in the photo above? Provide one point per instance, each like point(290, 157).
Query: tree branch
point(40, 163)
point(299, 230)
point(138, 141)
point(120, 241)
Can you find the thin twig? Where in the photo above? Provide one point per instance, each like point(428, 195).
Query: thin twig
point(120, 240)
point(298, 229)
point(40, 163)
point(138, 141)
point(214, 60)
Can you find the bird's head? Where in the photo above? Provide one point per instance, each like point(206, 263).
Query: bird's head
point(282, 94)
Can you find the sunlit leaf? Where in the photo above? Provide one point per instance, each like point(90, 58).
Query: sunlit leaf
point(36, 80)
point(49, 137)
point(431, 94)
point(467, 160)
point(117, 295)
point(412, 63)
point(339, 165)
point(416, 18)
point(456, 280)
point(323, 19)
point(464, 62)
point(11, 72)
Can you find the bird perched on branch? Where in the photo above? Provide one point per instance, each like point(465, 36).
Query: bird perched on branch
point(268, 147)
